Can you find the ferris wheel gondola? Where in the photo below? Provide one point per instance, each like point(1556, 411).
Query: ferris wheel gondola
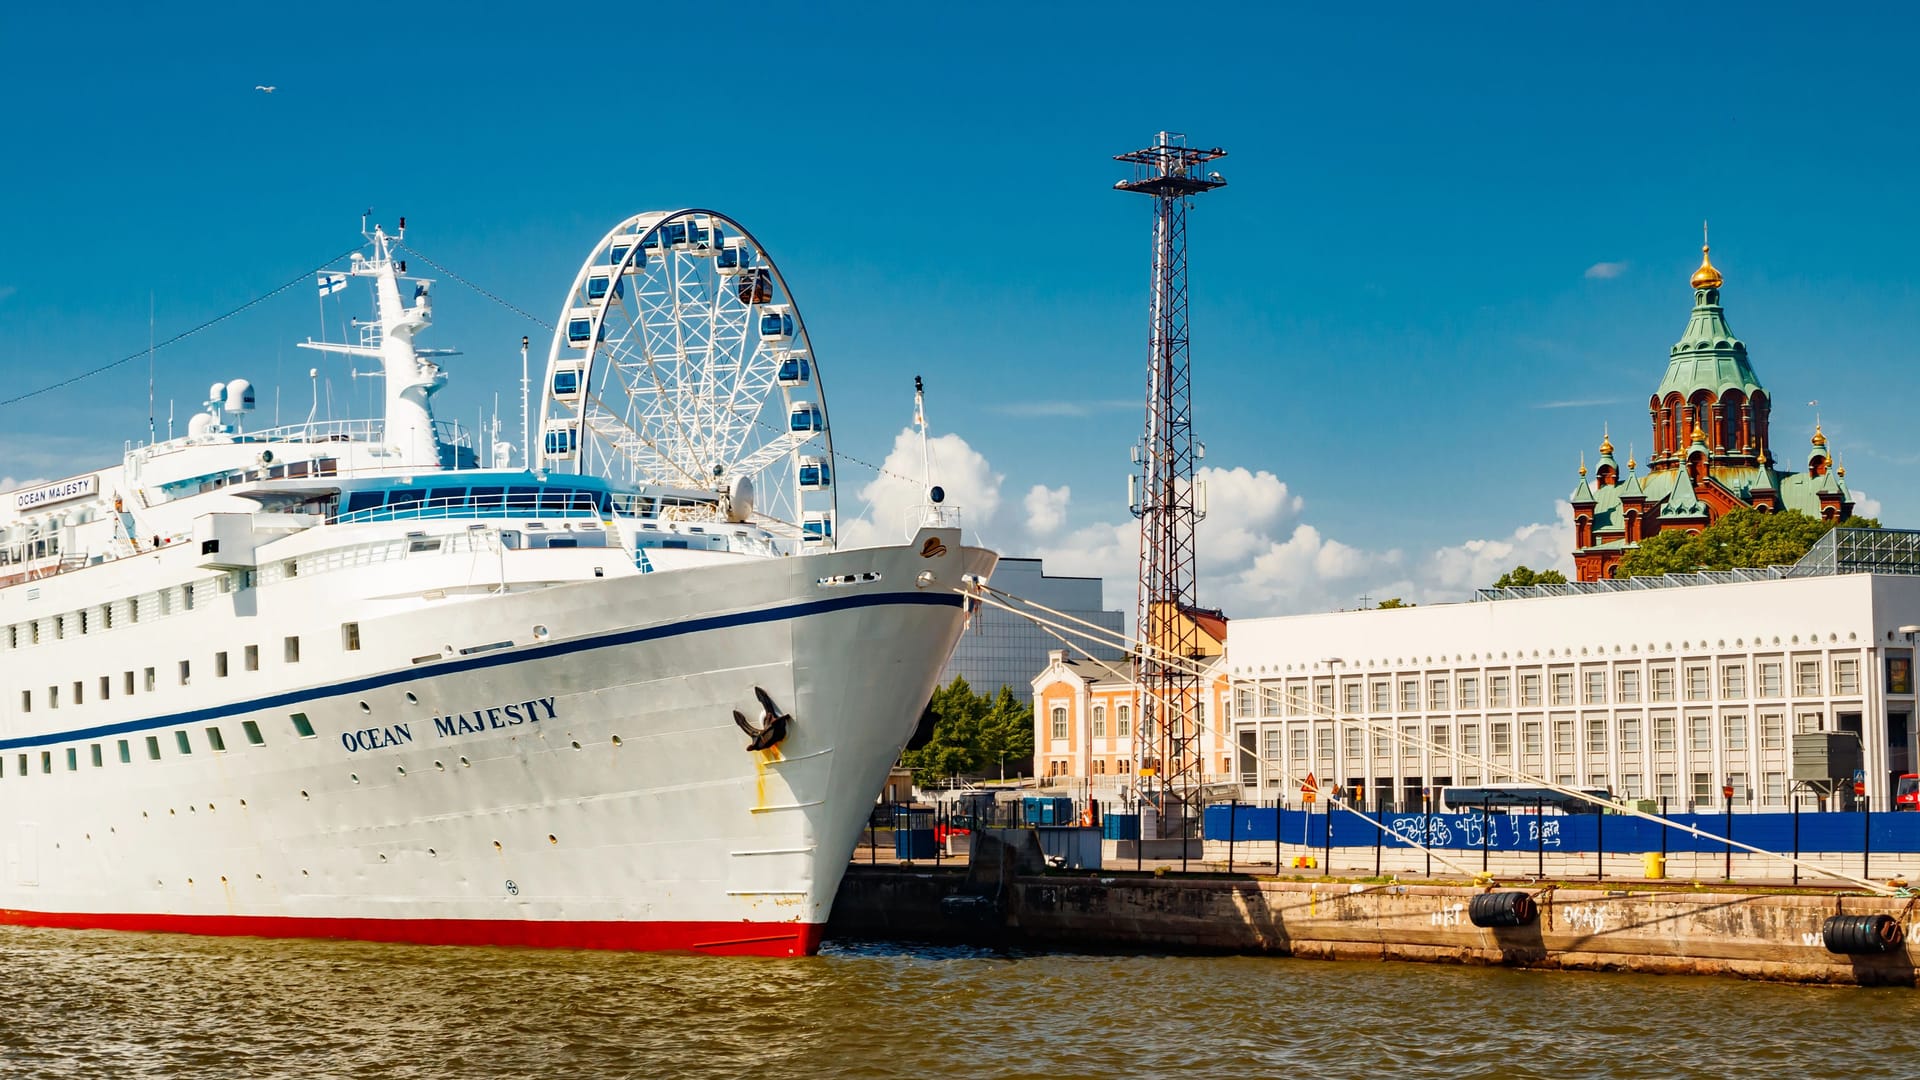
point(680, 362)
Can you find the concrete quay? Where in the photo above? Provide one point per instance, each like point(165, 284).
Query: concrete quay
point(1652, 927)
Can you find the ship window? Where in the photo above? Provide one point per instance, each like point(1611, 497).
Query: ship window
point(301, 726)
point(214, 740)
point(126, 753)
point(76, 691)
point(180, 740)
point(153, 748)
point(126, 682)
point(26, 701)
point(364, 500)
point(404, 497)
point(106, 687)
point(252, 658)
point(98, 759)
point(23, 764)
point(220, 664)
point(487, 498)
point(186, 672)
point(350, 632)
point(53, 697)
point(73, 758)
point(522, 498)
point(253, 733)
point(293, 650)
point(447, 500)
point(46, 761)
point(151, 680)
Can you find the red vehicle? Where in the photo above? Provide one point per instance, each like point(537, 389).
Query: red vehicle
point(1907, 795)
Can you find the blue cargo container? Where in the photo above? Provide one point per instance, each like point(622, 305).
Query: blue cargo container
point(1120, 827)
point(913, 844)
point(1046, 810)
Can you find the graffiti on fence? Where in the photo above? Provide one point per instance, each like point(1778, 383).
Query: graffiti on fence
point(1474, 831)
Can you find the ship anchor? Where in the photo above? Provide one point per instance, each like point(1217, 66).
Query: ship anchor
point(773, 727)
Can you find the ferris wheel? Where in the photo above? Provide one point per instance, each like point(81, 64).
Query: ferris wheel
point(681, 362)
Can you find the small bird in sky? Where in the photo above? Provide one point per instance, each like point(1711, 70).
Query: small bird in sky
point(266, 89)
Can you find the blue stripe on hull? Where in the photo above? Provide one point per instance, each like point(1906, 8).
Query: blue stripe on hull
point(491, 660)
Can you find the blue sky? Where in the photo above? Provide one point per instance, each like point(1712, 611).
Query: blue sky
point(1395, 315)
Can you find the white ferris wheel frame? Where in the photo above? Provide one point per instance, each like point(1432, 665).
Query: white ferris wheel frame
point(683, 406)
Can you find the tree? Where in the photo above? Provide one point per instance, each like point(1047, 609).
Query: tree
point(1526, 575)
point(1396, 602)
point(1741, 538)
point(958, 715)
point(1006, 734)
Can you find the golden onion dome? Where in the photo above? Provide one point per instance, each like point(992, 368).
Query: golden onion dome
point(1819, 437)
point(1606, 444)
point(1706, 277)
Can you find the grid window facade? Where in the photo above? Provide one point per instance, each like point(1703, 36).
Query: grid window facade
point(1733, 732)
point(1629, 682)
point(1497, 691)
point(1563, 688)
point(1846, 676)
point(1698, 685)
point(1733, 681)
point(1806, 678)
point(1469, 692)
point(1699, 734)
point(1595, 692)
point(1530, 690)
point(1662, 684)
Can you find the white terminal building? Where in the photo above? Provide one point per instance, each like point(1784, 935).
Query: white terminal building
point(1667, 687)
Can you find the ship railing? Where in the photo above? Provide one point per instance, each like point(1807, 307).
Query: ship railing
point(448, 432)
point(542, 504)
point(931, 516)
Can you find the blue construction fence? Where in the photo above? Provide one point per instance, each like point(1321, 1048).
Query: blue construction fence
point(1826, 832)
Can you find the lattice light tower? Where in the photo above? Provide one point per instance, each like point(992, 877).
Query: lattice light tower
point(1163, 496)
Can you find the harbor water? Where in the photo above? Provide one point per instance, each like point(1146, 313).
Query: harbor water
point(97, 1004)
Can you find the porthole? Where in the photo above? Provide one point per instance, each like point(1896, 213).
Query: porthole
point(576, 744)
point(243, 802)
point(365, 708)
point(355, 777)
point(552, 839)
point(303, 873)
point(413, 698)
point(383, 856)
point(304, 795)
point(497, 847)
point(540, 633)
point(400, 769)
point(432, 854)
point(616, 740)
point(223, 879)
point(440, 766)
point(464, 763)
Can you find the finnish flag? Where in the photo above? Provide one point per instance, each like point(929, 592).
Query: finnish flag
point(332, 283)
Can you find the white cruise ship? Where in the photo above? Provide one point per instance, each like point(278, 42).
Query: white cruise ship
point(364, 679)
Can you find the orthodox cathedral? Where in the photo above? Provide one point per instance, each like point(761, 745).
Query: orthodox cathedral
point(1712, 450)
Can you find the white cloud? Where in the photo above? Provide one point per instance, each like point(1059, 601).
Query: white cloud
point(1603, 271)
point(1865, 505)
point(1258, 555)
point(1047, 508)
point(890, 498)
point(1453, 573)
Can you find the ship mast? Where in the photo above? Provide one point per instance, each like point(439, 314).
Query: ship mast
point(411, 375)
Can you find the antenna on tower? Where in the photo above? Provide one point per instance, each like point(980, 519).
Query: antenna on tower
point(1169, 171)
point(526, 430)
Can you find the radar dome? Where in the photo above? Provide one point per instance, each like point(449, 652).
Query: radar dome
point(201, 424)
point(239, 396)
